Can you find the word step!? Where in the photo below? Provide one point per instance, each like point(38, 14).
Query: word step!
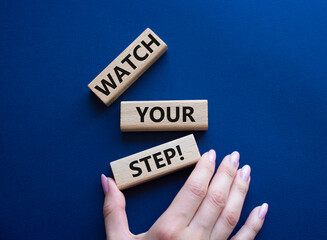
point(164, 115)
point(155, 162)
point(128, 66)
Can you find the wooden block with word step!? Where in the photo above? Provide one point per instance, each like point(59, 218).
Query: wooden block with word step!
point(155, 162)
point(128, 66)
point(164, 115)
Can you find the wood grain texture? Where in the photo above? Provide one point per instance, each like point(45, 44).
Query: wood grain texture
point(185, 115)
point(155, 162)
point(128, 66)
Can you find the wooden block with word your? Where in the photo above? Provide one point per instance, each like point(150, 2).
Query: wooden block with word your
point(128, 66)
point(164, 115)
point(155, 162)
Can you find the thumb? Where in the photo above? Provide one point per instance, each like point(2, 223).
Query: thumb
point(114, 213)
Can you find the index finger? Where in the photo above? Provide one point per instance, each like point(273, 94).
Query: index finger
point(189, 198)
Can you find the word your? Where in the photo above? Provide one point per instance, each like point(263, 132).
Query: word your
point(161, 159)
point(157, 114)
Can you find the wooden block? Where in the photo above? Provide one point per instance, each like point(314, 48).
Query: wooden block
point(164, 115)
point(128, 66)
point(155, 162)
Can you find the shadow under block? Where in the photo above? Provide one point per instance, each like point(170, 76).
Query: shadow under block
point(155, 162)
point(128, 66)
point(186, 115)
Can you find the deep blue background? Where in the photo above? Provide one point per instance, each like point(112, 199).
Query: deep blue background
point(262, 65)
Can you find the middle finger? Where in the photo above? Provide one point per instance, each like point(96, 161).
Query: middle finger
point(216, 198)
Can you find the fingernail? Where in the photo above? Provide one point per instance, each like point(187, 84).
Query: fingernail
point(105, 185)
point(234, 158)
point(245, 173)
point(263, 211)
point(212, 156)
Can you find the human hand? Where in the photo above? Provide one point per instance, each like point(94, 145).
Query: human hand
point(207, 206)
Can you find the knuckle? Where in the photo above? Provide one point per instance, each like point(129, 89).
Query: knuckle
point(243, 189)
point(210, 168)
point(167, 232)
point(110, 207)
point(254, 228)
point(182, 214)
point(230, 218)
point(217, 198)
point(228, 171)
point(107, 209)
point(197, 189)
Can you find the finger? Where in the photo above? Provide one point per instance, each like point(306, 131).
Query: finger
point(253, 224)
point(216, 198)
point(114, 213)
point(231, 214)
point(189, 198)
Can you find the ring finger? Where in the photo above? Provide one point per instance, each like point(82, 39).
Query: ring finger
point(231, 213)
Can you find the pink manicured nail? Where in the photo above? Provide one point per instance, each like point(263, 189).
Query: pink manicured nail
point(105, 185)
point(245, 173)
point(212, 156)
point(234, 158)
point(263, 211)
